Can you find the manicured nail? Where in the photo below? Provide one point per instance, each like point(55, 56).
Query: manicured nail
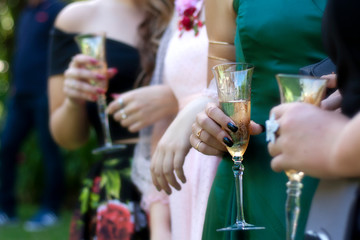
point(100, 76)
point(100, 91)
point(228, 142)
point(232, 127)
point(113, 70)
point(262, 128)
point(115, 95)
point(93, 61)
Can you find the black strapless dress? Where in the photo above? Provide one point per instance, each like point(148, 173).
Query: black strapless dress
point(109, 203)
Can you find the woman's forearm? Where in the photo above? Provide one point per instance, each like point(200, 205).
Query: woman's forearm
point(345, 157)
point(69, 124)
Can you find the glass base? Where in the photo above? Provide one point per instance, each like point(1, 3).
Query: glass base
point(240, 226)
point(108, 149)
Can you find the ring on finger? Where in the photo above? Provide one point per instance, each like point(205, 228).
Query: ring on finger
point(272, 126)
point(199, 132)
point(71, 84)
point(120, 101)
point(197, 145)
point(123, 114)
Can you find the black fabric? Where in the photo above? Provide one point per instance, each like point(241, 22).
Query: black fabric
point(342, 42)
point(324, 67)
point(119, 55)
point(112, 169)
point(354, 228)
point(311, 237)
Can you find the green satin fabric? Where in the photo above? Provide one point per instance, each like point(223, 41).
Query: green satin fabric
point(276, 36)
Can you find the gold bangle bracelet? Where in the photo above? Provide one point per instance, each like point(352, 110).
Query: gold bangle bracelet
point(219, 58)
point(220, 43)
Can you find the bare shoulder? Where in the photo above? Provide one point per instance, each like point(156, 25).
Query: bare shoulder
point(75, 15)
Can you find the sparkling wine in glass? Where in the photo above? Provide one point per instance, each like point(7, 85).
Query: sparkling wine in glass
point(233, 82)
point(297, 88)
point(94, 45)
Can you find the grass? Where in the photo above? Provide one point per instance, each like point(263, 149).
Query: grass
point(17, 232)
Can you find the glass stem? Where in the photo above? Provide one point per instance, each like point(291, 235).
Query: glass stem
point(238, 170)
point(104, 119)
point(292, 207)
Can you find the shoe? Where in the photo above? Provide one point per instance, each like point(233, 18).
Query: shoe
point(5, 220)
point(43, 219)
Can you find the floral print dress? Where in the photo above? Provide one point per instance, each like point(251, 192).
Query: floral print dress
point(109, 203)
point(108, 209)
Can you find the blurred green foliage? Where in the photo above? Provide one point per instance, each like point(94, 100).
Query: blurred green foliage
point(30, 171)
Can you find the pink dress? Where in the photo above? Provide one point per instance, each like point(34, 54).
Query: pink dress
point(185, 71)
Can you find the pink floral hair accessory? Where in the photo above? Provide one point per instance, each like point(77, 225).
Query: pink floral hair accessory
point(189, 11)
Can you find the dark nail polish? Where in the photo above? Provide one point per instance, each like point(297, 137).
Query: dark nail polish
point(232, 127)
point(262, 128)
point(228, 142)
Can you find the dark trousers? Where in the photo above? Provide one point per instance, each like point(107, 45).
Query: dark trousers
point(27, 112)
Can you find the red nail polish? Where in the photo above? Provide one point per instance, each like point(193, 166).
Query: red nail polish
point(114, 70)
point(93, 61)
point(100, 91)
point(115, 95)
point(100, 77)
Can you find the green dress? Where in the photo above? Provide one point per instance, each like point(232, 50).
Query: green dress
point(276, 36)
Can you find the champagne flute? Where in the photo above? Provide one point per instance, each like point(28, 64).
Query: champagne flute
point(233, 82)
point(94, 45)
point(297, 88)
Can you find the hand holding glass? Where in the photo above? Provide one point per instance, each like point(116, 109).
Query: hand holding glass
point(94, 45)
point(234, 90)
point(297, 88)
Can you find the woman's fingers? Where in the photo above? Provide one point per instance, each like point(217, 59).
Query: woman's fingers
point(218, 116)
point(79, 90)
point(204, 148)
point(256, 128)
point(79, 73)
point(78, 79)
point(179, 159)
point(157, 175)
point(82, 60)
point(111, 72)
point(168, 170)
point(209, 133)
point(332, 80)
point(212, 134)
point(332, 102)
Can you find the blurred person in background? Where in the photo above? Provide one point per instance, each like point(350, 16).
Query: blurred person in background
point(109, 203)
point(27, 110)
